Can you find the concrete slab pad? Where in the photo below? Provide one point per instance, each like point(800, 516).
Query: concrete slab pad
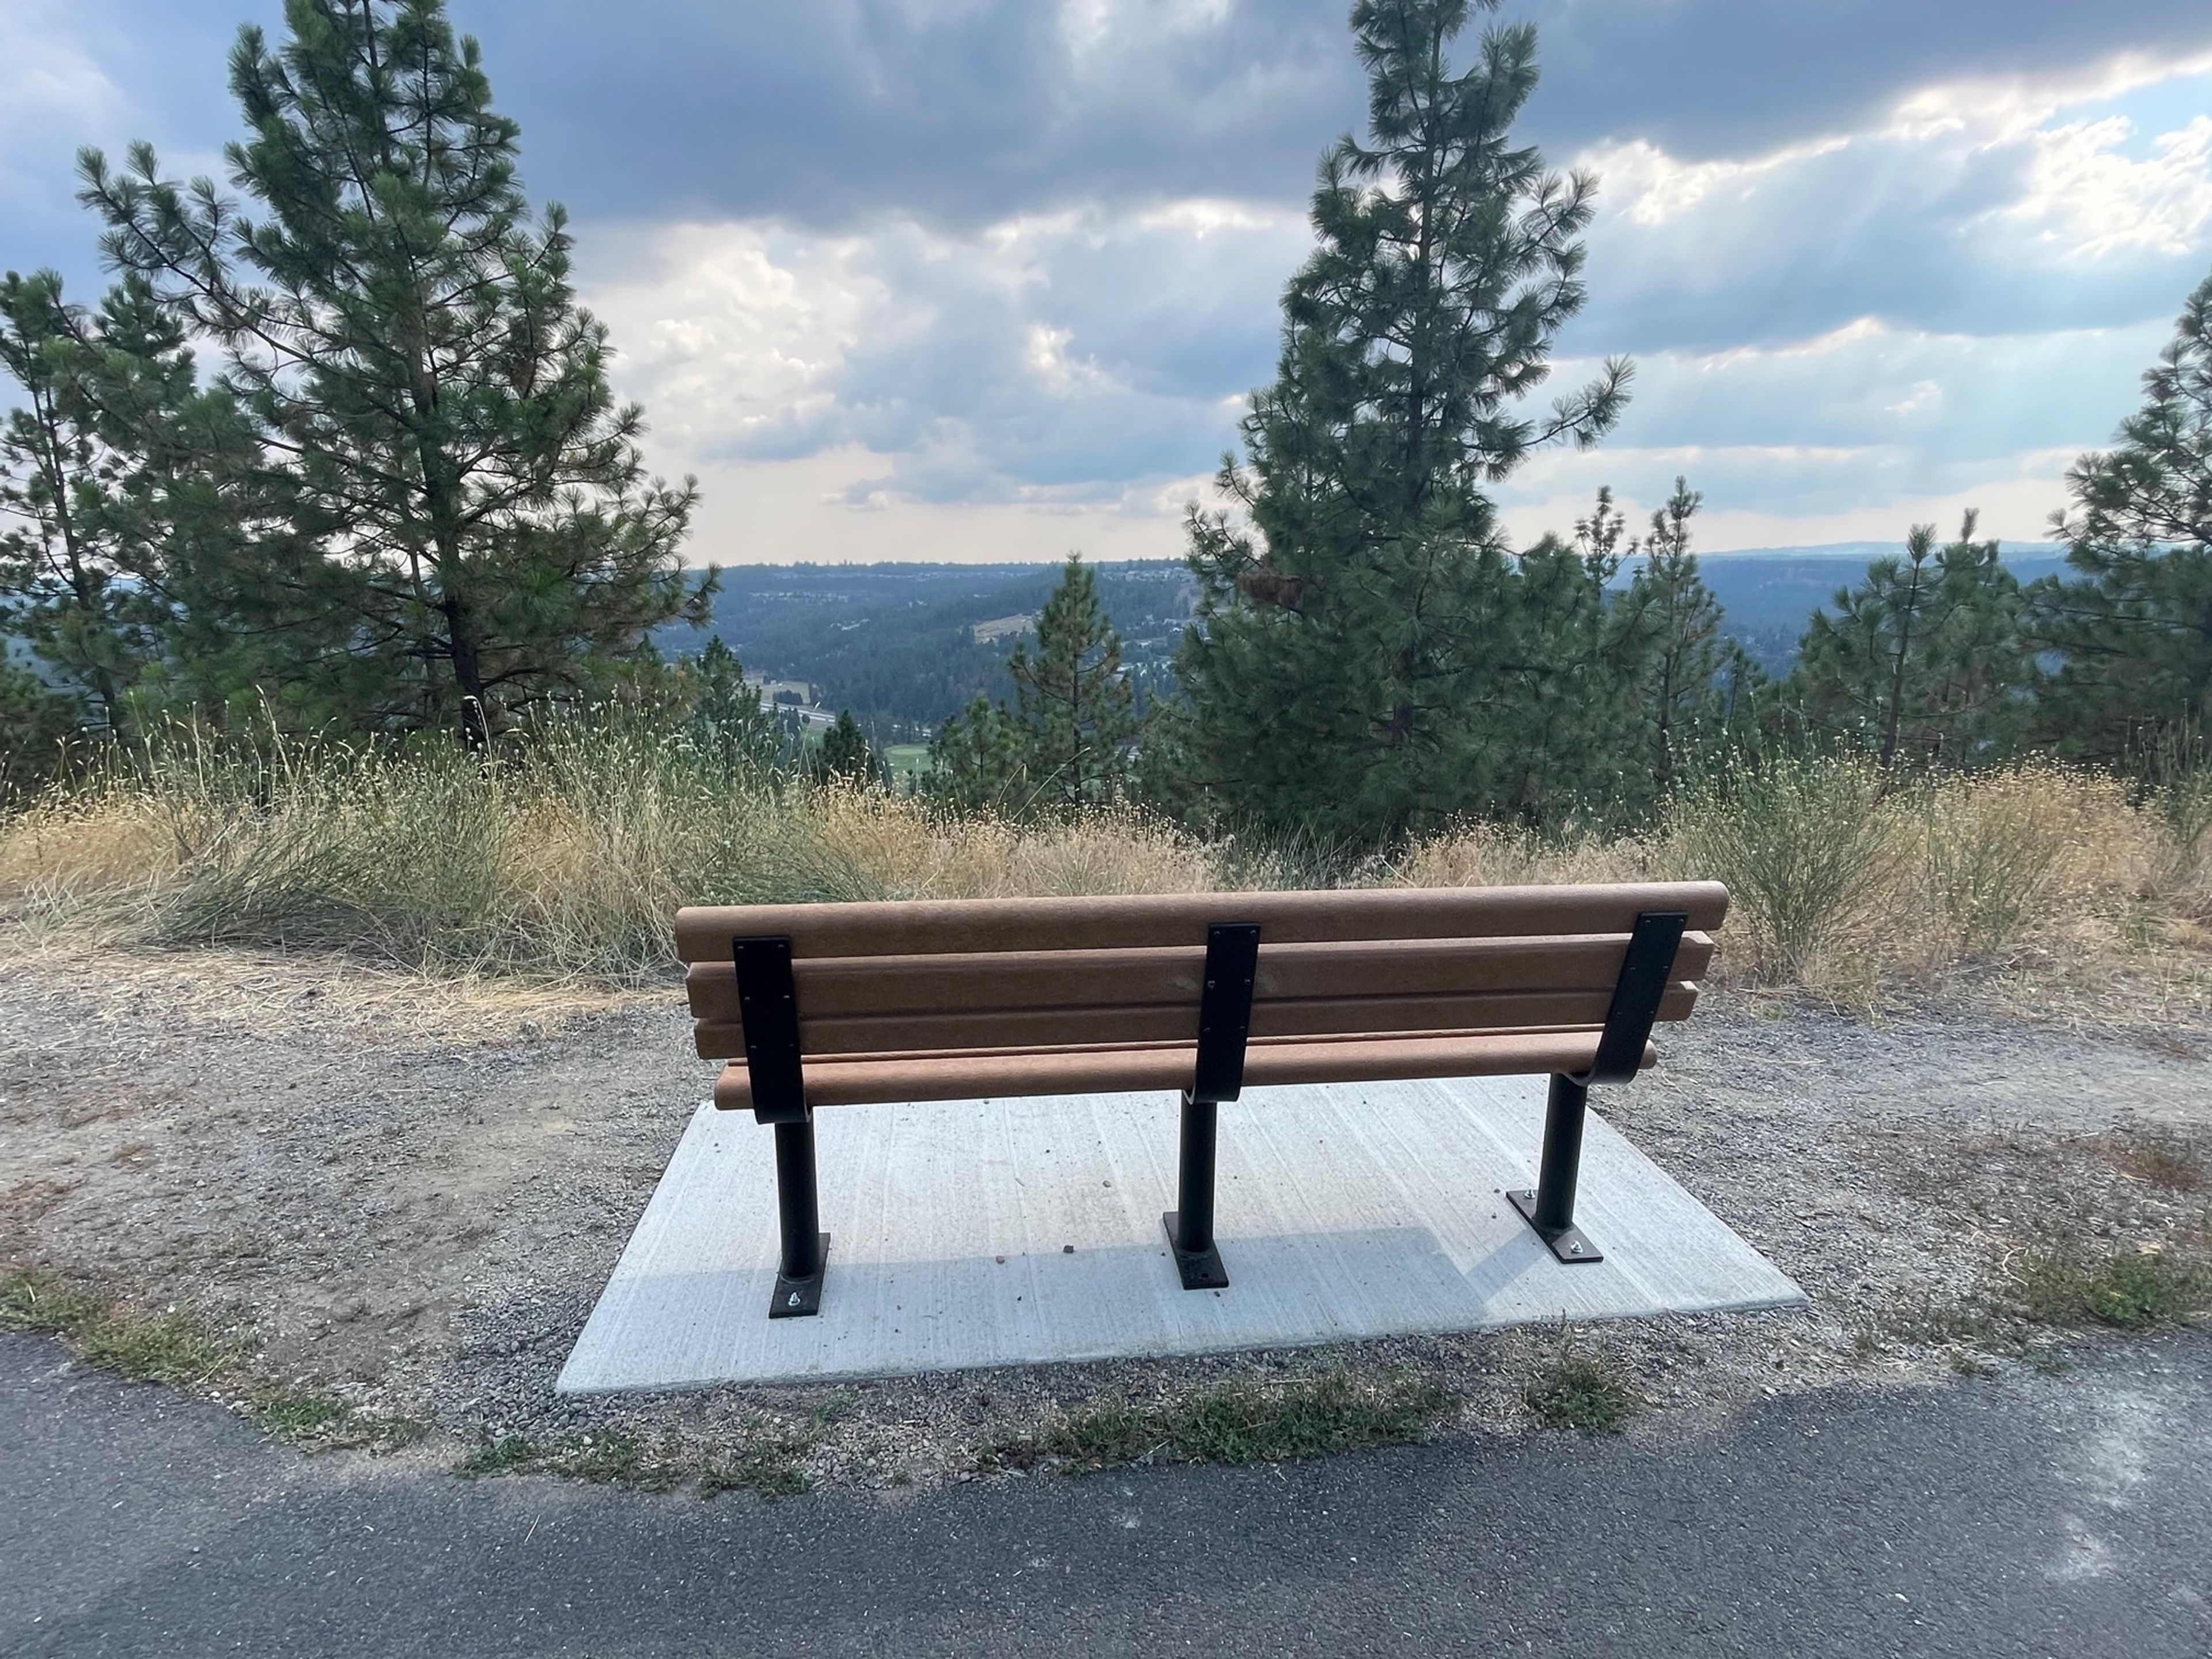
point(1345, 1210)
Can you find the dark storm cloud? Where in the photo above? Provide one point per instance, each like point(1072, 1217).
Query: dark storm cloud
point(965, 113)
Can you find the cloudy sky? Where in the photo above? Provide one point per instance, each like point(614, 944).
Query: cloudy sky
point(990, 278)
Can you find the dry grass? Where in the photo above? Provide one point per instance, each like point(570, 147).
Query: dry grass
point(2041, 888)
point(2036, 885)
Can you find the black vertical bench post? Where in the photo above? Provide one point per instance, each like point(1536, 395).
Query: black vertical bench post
point(1224, 1022)
point(768, 999)
point(1647, 967)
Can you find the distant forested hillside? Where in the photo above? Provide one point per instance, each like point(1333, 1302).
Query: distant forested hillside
point(1769, 594)
point(898, 643)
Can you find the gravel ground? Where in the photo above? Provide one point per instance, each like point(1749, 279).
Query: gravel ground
point(414, 1193)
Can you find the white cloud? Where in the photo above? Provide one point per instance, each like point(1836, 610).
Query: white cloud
point(1995, 207)
point(49, 86)
point(1834, 338)
point(1995, 108)
point(2089, 200)
point(1853, 434)
point(1079, 358)
point(734, 331)
point(1096, 26)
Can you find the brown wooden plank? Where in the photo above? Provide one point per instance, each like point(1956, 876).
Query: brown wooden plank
point(1177, 1022)
point(1121, 921)
point(842, 1083)
point(1052, 979)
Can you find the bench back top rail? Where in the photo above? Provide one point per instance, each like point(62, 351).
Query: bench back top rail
point(933, 999)
point(1142, 921)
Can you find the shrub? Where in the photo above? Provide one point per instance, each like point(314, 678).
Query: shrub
point(1806, 844)
point(1992, 850)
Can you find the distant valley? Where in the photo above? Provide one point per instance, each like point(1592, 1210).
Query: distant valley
point(904, 645)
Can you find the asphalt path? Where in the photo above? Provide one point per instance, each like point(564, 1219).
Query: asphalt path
point(2063, 1516)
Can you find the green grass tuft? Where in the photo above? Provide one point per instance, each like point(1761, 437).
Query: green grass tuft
point(508, 1455)
point(768, 1470)
point(2130, 1289)
point(170, 1347)
point(315, 1421)
point(1240, 1422)
point(1576, 1388)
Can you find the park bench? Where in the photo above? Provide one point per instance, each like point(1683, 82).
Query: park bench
point(846, 1004)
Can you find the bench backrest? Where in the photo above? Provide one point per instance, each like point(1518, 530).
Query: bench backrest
point(936, 998)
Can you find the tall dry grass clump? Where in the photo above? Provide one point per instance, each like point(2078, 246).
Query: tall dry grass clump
point(564, 859)
point(1850, 882)
point(1809, 846)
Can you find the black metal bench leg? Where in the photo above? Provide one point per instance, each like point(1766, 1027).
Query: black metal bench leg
point(805, 1251)
point(1190, 1226)
point(1550, 1209)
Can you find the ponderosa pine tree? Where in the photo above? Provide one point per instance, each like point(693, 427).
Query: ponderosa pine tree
point(1072, 699)
point(976, 761)
point(1666, 633)
point(724, 710)
point(65, 574)
point(846, 755)
point(1364, 648)
point(1922, 661)
point(1066, 743)
point(471, 522)
point(1577, 721)
point(2131, 635)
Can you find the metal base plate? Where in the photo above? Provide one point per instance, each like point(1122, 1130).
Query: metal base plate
point(795, 1298)
point(1570, 1244)
point(1199, 1272)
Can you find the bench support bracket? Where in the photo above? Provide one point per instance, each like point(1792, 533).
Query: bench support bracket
point(1646, 969)
point(769, 1000)
point(1550, 1208)
point(1225, 1021)
point(1190, 1229)
point(806, 1250)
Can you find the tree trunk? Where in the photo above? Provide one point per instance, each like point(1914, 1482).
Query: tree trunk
point(475, 718)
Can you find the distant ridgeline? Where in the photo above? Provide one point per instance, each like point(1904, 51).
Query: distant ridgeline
point(899, 644)
point(1770, 593)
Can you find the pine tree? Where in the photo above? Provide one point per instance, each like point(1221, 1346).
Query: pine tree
point(1067, 742)
point(1571, 710)
point(1363, 643)
point(39, 728)
point(1924, 660)
point(976, 761)
point(2131, 636)
point(65, 583)
point(846, 755)
point(1072, 702)
point(1666, 631)
point(470, 524)
point(724, 708)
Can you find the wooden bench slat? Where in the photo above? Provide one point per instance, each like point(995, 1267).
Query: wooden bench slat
point(1058, 979)
point(937, 927)
point(1177, 1022)
point(851, 1083)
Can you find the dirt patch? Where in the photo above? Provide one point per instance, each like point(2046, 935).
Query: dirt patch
point(413, 1193)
